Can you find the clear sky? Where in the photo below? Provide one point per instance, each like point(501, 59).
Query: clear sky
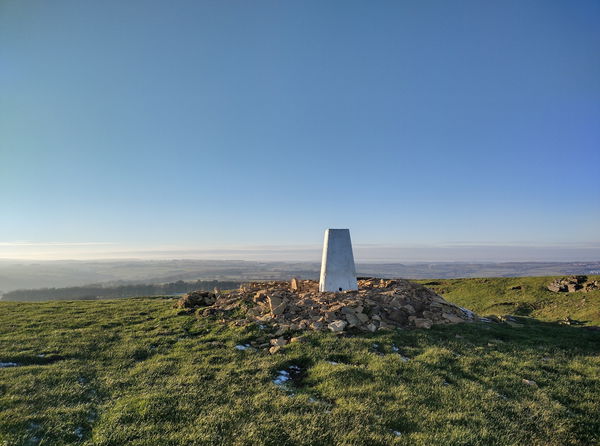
point(213, 124)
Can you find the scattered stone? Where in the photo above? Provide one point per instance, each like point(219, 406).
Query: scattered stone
point(571, 284)
point(338, 325)
point(452, 318)
point(276, 304)
point(423, 323)
point(274, 349)
point(278, 342)
point(529, 382)
point(299, 339)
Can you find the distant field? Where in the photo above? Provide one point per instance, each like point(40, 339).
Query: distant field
point(134, 372)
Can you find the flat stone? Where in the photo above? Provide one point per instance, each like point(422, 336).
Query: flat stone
point(337, 326)
point(278, 342)
point(452, 318)
point(423, 323)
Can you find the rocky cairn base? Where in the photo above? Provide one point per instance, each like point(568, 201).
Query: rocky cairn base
point(379, 304)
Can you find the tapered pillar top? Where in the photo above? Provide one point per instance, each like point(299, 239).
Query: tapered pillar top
point(338, 272)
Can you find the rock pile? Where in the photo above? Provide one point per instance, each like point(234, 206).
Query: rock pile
point(573, 283)
point(379, 304)
point(196, 299)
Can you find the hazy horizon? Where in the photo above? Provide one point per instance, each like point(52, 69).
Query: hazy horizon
point(457, 252)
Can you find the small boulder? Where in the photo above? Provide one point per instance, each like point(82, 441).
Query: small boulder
point(278, 342)
point(337, 326)
point(423, 323)
point(277, 305)
point(452, 318)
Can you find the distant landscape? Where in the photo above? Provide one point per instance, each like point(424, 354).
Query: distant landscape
point(91, 279)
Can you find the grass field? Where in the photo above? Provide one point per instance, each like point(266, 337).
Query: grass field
point(133, 372)
point(525, 296)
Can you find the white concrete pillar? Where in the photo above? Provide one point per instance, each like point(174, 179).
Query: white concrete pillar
point(338, 272)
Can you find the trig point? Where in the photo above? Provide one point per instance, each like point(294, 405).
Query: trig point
point(338, 272)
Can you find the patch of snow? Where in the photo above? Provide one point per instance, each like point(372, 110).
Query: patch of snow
point(397, 433)
point(41, 355)
point(485, 319)
point(8, 364)
point(243, 347)
point(332, 362)
point(395, 349)
point(79, 432)
point(282, 377)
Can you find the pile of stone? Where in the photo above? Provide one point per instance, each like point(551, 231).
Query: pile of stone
point(196, 299)
point(378, 304)
point(573, 283)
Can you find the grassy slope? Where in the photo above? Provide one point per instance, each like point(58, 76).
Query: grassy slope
point(495, 296)
point(133, 372)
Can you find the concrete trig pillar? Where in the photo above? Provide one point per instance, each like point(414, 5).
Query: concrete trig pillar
point(338, 272)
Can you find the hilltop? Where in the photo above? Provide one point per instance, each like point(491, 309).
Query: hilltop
point(138, 372)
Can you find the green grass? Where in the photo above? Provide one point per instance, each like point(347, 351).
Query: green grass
point(496, 296)
point(133, 372)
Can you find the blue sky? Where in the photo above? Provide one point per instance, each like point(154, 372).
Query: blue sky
point(144, 125)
